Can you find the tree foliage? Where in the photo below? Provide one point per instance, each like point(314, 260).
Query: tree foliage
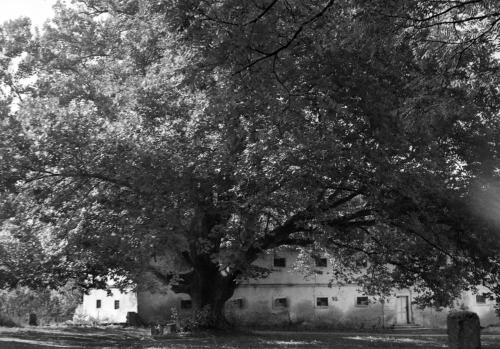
point(50, 306)
point(206, 132)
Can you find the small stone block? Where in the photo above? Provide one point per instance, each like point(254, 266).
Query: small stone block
point(133, 319)
point(33, 321)
point(170, 328)
point(464, 330)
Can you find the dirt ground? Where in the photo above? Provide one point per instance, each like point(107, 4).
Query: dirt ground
point(81, 337)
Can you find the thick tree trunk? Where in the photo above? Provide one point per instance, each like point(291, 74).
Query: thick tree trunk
point(208, 287)
point(209, 290)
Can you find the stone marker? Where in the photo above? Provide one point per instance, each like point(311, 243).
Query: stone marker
point(33, 321)
point(463, 330)
point(170, 328)
point(134, 320)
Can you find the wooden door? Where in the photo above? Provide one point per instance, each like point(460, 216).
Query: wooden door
point(402, 310)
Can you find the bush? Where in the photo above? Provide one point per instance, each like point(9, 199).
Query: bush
point(6, 322)
point(50, 306)
point(197, 319)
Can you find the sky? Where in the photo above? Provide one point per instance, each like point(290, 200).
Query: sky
point(37, 10)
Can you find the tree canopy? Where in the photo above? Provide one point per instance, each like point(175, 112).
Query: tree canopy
point(207, 132)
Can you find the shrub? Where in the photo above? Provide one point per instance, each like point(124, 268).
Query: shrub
point(50, 306)
point(6, 322)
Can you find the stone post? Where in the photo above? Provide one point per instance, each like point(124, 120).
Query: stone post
point(33, 321)
point(463, 330)
point(134, 320)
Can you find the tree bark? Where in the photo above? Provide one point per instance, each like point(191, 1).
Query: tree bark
point(209, 289)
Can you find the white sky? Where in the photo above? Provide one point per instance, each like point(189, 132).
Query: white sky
point(38, 10)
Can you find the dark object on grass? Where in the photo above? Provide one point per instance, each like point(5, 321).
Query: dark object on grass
point(161, 329)
point(170, 328)
point(463, 330)
point(33, 321)
point(134, 320)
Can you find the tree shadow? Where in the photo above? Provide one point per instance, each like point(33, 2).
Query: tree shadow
point(70, 338)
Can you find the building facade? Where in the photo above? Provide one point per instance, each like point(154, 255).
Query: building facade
point(101, 306)
point(288, 296)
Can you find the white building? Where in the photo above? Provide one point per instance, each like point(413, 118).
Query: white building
point(288, 297)
point(103, 307)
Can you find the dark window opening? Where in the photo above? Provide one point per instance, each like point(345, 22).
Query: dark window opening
point(117, 304)
point(322, 301)
point(186, 304)
point(480, 299)
point(281, 303)
point(321, 262)
point(237, 303)
point(362, 301)
point(98, 303)
point(280, 262)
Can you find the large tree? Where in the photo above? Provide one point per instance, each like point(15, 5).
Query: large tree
point(207, 132)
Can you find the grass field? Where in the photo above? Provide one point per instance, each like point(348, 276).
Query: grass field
point(31, 338)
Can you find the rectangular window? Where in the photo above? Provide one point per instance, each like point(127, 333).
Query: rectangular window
point(279, 262)
point(480, 299)
point(98, 303)
point(186, 304)
point(322, 301)
point(321, 262)
point(280, 303)
point(237, 303)
point(117, 304)
point(362, 301)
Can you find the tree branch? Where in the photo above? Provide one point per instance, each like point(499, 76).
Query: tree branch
point(436, 15)
point(179, 283)
point(276, 236)
point(262, 14)
point(88, 175)
point(290, 40)
point(343, 200)
point(344, 220)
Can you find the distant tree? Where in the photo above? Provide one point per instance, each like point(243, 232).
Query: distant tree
point(50, 306)
point(205, 133)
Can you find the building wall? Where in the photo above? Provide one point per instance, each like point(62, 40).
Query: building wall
point(253, 303)
point(88, 310)
point(259, 302)
point(484, 308)
point(258, 307)
point(158, 306)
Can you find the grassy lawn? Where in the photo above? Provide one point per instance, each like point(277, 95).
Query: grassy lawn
point(31, 338)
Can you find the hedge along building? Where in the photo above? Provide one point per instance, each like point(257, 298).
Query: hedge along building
point(288, 296)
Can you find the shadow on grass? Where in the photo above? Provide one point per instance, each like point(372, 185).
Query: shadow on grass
point(70, 338)
point(52, 338)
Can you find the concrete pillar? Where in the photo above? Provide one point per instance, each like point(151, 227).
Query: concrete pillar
point(134, 320)
point(463, 330)
point(33, 321)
